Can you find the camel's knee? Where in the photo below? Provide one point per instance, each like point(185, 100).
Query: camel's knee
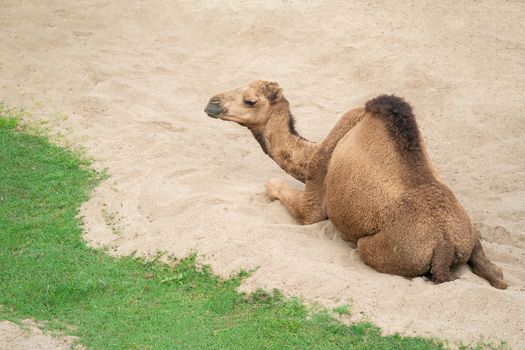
point(370, 254)
point(307, 210)
point(315, 215)
point(274, 187)
point(393, 257)
point(306, 207)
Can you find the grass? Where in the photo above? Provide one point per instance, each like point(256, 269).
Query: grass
point(48, 273)
point(342, 310)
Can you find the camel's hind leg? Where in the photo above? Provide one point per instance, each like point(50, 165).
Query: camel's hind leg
point(442, 260)
point(306, 207)
point(386, 253)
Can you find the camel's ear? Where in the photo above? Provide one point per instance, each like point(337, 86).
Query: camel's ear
point(274, 93)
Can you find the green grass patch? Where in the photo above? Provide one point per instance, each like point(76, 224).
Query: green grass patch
point(342, 310)
point(9, 118)
point(48, 273)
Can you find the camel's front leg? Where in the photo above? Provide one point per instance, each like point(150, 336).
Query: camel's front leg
point(306, 207)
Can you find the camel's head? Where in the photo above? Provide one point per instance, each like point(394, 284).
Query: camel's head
point(247, 106)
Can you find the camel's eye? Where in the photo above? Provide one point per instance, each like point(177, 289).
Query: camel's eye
point(250, 103)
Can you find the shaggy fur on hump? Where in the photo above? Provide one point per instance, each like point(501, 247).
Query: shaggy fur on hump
point(400, 121)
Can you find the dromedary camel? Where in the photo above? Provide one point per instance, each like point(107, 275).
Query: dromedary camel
point(371, 176)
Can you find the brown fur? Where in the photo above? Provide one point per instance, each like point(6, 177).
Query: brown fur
point(371, 176)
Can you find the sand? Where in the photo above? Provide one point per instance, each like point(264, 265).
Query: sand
point(31, 337)
point(128, 82)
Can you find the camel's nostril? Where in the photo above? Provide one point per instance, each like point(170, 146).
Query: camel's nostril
point(215, 100)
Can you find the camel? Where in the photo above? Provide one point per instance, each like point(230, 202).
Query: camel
point(371, 176)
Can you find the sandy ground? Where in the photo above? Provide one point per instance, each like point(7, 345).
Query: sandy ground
point(129, 80)
point(30, 337)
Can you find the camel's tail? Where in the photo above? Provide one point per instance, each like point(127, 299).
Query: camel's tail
point(482, 267)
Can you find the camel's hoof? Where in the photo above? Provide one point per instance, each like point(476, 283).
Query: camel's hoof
point(273, 187)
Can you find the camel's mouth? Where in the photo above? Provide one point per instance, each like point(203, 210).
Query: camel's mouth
point(214, 116)
point(214, 110)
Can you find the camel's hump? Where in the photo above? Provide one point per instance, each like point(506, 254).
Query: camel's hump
point(400, 120)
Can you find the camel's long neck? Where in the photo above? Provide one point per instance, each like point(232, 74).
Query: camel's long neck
point(280, 141)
